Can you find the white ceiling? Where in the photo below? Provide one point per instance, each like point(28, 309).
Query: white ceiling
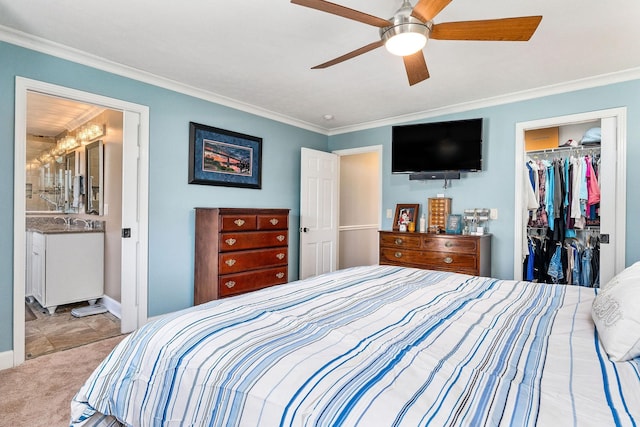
point(259, 53)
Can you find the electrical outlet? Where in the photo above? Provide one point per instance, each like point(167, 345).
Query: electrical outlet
point(493, 213)
point(389, 213)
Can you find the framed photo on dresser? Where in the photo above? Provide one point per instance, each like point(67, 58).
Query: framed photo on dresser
point(405, 213)
point(454, 224)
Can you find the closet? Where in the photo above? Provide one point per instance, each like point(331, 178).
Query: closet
point(563, 166)
point(571, 210)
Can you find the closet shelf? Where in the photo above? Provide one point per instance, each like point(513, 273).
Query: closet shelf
point(578, 149)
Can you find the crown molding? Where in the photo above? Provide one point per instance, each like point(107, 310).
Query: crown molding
point(58, 50)
point(564, 87)
point(39, 44)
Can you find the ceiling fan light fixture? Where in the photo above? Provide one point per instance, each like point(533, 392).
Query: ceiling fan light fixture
point(404, 44)
point(406, 36)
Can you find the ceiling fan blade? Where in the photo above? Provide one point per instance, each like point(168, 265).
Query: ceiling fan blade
point(506, 29)
point(416, 67)
point(426, 10)
point(345, 12)
point(353, 54)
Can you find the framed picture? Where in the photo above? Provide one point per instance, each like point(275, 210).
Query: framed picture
point(222, 157)
point(405, 213)
point(454, 224)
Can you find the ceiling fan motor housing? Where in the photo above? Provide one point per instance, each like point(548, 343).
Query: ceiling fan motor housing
point(404, 23)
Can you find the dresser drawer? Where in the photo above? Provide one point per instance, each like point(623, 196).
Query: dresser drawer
point(232, 284)
point(238, 222)
point(233, 262)
point(434, 243)
point(273, 222)
point(253, 240)
point(405, 240)
point(430, 260)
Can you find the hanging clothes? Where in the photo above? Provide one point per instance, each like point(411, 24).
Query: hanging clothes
point(558, 246)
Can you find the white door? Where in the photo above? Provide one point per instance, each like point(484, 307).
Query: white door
point(319, 176)
point(130, 299)
point(608, 206)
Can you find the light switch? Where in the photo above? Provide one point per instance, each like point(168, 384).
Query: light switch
point(493, 213)
point(389, 213)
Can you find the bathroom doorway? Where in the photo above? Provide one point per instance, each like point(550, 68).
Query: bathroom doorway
point(130, 202)
point(74, 182)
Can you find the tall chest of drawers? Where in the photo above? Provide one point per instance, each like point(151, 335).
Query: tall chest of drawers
point(445, 252)
point(239, 250)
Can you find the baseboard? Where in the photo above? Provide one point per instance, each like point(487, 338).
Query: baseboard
point(112, 305)
point(6, 360)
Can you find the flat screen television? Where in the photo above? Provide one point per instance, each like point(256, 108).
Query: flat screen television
point(453, 146)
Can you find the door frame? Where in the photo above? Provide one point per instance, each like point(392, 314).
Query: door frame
point(352, 152)
point(137, 272)
point(620, 115)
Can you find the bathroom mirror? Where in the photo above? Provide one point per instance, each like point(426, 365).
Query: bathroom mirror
point(95, 177)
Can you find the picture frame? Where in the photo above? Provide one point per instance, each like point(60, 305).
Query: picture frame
point(225, 158)
point(405, 213)
point(454, 224)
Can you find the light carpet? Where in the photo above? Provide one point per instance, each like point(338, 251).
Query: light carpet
point(39, 392)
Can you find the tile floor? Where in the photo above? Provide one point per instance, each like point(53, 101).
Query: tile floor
point(60, 331)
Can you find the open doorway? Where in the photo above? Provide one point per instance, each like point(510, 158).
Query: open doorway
point(129, 202)
point(73, 217)
point(360, 206)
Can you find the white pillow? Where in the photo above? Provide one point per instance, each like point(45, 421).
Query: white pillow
point(616, 314)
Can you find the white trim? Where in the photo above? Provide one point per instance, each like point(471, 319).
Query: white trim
point(6, 360)
point(22, 86)
point(58, 50)
point(362, 150)
point(539, 92)
point(358, 227)
point(620, 114)
point(38, 44)
point(112, 305)
point(19, 222)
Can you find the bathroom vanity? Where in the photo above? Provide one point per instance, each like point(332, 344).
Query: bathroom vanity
point(65, 264)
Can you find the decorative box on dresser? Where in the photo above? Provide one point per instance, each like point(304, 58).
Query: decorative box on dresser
point(446, 252)
point(239, 250)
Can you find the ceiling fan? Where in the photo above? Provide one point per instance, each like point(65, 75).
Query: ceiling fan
point(406, 33)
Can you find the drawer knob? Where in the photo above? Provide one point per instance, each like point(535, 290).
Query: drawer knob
point(398, 254)
point(239, 222)
point(230, 284)
point(280, 256)
point(230, 241)
point(280, 275)
point(448, 260)
point(448, 244)
point(274, 221)
point(230, 262)
point(280, 238)
point(398, 241)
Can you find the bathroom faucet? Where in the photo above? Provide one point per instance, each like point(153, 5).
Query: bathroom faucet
point(66, 219)
point(88, 223)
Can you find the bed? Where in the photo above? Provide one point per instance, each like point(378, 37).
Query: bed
point(370, 346)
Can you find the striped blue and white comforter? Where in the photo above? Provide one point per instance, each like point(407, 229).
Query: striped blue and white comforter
point(369, 346)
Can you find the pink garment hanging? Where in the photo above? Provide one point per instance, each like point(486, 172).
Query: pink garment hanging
point(593, 188)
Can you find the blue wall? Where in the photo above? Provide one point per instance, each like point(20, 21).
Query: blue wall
point(494, 187)
point(171, 199)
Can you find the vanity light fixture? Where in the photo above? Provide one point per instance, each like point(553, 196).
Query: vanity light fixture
point(89, 132)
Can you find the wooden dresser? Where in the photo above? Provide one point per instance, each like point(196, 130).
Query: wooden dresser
point(239, 250)
point(446, 252)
